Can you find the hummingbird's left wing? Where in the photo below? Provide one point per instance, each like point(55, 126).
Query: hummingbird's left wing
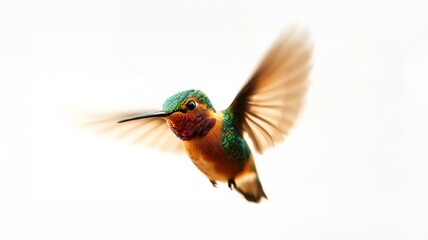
point(150, 132)
point(268, 105)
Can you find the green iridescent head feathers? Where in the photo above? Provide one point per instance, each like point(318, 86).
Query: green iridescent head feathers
point(174, 102)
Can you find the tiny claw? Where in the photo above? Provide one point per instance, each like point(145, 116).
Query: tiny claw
point(230, 183)
point(213, 183)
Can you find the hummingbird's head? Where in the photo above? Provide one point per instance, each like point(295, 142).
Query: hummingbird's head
point(188, 101)
point(188, 113)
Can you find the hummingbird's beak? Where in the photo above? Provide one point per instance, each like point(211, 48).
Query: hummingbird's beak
point(146, 115)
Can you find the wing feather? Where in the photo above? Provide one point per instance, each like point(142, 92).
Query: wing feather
point(269, 104)
point(149, 132)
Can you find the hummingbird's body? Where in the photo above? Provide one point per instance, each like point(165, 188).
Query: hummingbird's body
point(265, 109)
point(208, 154)
point(214, 141)
point(223, 158)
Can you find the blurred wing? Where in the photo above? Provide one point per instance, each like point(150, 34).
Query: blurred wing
point(150, 132)
point(268, 105)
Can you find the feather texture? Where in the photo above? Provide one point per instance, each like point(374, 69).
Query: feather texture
point(268, 105)
point(150, 132)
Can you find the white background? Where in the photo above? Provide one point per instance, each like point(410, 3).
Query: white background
point(355, 167)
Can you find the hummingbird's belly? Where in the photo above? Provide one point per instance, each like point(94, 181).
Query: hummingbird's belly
point(211, 158)
point(209, 168)
point(213, 161)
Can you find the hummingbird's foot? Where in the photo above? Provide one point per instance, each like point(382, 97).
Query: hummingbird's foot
point(213, 183)
point(230, 183)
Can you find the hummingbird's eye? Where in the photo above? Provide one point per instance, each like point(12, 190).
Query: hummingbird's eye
point(191, 105)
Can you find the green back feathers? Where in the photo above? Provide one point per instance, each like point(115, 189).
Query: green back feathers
point(174, 102)
point(231, 140)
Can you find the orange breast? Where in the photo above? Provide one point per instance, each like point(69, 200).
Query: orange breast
point(209, 156)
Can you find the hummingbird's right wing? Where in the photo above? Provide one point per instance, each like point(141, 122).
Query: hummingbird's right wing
point(268, 105)
point(150, 132)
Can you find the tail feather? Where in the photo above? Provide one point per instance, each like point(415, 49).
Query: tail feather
point(248, 184)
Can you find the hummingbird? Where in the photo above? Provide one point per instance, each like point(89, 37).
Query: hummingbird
point(263, 111)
